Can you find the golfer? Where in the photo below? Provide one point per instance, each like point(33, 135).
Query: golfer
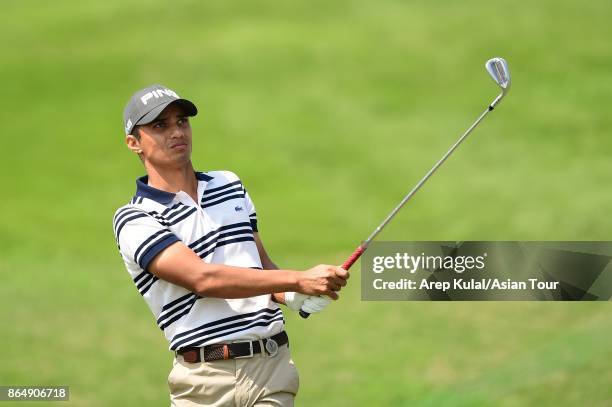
point(189, 241)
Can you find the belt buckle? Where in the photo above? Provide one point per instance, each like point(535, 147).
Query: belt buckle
point(271, 347)
point(250, 349)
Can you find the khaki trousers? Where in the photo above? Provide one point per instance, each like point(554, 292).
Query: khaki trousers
point(262, 380)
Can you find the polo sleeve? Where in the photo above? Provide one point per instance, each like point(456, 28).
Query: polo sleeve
point(250, 207)
point(140, 237)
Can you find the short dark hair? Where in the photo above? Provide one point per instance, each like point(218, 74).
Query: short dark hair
point(136, 132)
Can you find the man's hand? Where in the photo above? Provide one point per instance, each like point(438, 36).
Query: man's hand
point(312, 305)
point(294, 300)
point(322, 280)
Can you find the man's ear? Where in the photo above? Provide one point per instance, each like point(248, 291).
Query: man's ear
point(133, 143)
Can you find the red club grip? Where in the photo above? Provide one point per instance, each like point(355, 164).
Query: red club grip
point(346, 265)
point(356, 255)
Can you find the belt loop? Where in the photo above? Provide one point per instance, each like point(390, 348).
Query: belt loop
point(201, 352)
point(225, 352)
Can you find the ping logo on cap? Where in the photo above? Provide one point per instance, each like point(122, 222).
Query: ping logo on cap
point(146, 104)
point(158, 93)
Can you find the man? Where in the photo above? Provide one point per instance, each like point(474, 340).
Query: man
point(190, 243)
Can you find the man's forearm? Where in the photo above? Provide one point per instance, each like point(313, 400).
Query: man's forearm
point(222, 281)
point(181, 266)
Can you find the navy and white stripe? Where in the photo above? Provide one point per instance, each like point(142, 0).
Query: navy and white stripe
point(229, 191)
point(234, 233)
point(223, 327)
point(174, 215)
point(144, 281)
point(218, 225)
point(136, 200)
point(253, 219)
point(123, 216)
point(176, 309)
point(149, 248)
point(169, 217)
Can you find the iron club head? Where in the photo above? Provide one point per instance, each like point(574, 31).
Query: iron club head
point(498, 69)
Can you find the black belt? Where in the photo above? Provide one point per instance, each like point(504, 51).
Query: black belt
point(235, 350)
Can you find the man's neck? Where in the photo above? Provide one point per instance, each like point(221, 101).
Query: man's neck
point(174, 179)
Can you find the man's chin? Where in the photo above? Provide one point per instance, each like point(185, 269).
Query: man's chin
point(174, 161)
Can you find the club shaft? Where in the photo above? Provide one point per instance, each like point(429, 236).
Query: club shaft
point(362, 247)
point(418, 186)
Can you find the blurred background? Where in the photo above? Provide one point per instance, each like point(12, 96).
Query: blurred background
point(330, 112)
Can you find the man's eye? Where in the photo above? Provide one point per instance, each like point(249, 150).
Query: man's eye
point(158, 125)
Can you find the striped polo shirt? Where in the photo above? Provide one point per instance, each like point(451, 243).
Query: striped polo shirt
point(218, 228)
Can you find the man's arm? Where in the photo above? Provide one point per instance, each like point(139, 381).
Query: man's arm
point(180, 265)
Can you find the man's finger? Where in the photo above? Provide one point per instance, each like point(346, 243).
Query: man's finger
point(342, 273)
point(337, 282)
point(331, 294)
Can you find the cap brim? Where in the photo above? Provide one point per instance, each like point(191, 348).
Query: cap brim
point(189, 108)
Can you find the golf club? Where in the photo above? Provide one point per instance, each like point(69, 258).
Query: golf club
point(498, 69)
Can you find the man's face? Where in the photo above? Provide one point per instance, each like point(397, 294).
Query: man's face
point(166, 141)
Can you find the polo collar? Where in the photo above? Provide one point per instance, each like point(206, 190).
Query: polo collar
point(163, 197)
point(202, 177)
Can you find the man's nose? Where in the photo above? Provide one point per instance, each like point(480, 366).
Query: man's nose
point(176, 131)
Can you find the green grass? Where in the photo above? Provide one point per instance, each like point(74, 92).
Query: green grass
point(330, 112)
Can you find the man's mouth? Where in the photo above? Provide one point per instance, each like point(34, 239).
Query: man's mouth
point(179, 146)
